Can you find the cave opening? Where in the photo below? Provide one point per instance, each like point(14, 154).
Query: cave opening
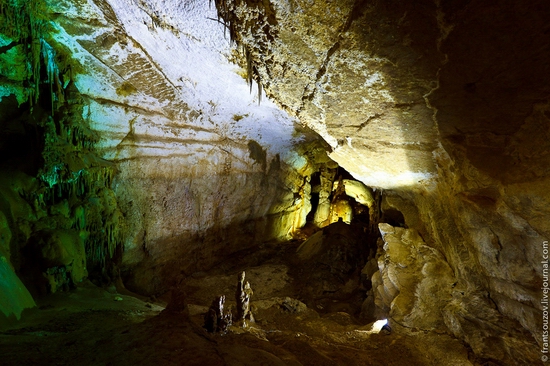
point(393, 217)
point(315, 183)
point(22, 138)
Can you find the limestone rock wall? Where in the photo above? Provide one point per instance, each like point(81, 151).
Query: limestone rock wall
point(148, 155)
point(495, 254)
point(443, 106)
point(203, 170)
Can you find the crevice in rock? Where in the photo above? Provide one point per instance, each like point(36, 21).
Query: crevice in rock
point(364, 124)
point(308, 95)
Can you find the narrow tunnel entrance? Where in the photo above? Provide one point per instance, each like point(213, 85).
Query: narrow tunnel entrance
point(315, 182)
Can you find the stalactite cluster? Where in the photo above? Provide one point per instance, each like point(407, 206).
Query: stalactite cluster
point(22, 23)
point(73, 191)
point(260, 24)
point(73, 173)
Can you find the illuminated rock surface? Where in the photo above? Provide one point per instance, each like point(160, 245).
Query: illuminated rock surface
point(135, 153)
point(431, 102)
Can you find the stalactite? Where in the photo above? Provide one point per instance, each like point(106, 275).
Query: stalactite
point(72, 173)
point(52, 72)
point(226, 11)
point(23, 23)
point(79, 218)
point(249, 69)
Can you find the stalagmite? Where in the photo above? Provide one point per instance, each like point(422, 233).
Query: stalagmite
point(242, 297)
point(322, 213)
point(218, 319)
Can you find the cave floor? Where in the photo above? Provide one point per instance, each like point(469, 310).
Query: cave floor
point(96, 326)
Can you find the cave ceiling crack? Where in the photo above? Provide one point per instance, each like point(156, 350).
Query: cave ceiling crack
point(367, 121)
point(427, 98)
point(311, 88)
point(445, 29)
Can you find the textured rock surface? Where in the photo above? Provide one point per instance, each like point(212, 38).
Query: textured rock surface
point(202, 170)
point(356, 72)
point(144, 93)
point(443, 106)
point(414, 281)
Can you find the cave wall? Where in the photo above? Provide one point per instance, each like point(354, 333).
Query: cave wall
point(199, 176)
point(144, 143)
point(443, 106)
point(152, 157)
point(55, 190)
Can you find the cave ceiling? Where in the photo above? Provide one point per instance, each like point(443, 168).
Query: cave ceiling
point(394, 86)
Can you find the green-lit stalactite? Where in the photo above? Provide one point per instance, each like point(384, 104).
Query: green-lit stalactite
point(71, 174)
point(20, 22)
point(23, 22)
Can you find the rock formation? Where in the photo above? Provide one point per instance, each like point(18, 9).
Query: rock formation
point(217, 319)
point(430, 102)
point(138, 142)
point(242, 299)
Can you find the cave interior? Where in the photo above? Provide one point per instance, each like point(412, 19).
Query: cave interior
point(242, 182)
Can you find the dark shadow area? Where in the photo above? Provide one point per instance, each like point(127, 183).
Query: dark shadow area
point(22, 138)
point(90, 328)
point(393, 217)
